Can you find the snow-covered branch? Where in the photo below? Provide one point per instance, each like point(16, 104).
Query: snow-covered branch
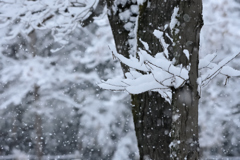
point(213, 69)
point(148, 74)
point(159, 74)
point(62, 16)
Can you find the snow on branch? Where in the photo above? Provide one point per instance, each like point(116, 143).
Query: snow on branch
point(148, 74)
point(213, 69)
point(62, 16)
point(158, 74)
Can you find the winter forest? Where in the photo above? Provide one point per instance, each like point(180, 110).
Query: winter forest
point(119, 79)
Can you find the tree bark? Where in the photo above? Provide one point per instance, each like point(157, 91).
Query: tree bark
point(185, 144)
point(120, 34)
point(152, 120)
point(151, 113)
point(153, 116)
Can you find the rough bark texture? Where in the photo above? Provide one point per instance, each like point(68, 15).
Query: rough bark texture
point(152, 114)
point(153, 122)
point(184, 133)
point(154, 15)
point(152, 119)
point(120, 34)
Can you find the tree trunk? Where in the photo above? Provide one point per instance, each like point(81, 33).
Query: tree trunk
point(38, 127)
point(151, 113)
point(184, 133)
point(120, 34)
point(152, 119)
point(39, 141)
point(153, 116)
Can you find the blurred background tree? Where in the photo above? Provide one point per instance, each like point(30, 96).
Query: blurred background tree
point(219, 104)
point(50, 103)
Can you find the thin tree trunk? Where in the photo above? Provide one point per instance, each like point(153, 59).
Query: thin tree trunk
point(39, 141)
point(38, 127)
point(185, 144)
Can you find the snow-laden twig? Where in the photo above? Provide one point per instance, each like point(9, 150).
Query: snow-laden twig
point(159, 74)
point(147, 74)
point(214, 69)
point(60, 15)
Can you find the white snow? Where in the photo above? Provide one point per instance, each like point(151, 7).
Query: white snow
point(174, 20)
point(125, 15)
point(206, 77)
point(159, 35)
point(134, 9)
point(144, 44)
point(140, 2)
point(129, 26)
point(186, 52)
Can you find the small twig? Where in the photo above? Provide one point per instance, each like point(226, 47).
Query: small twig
point(114, 85)
point(125, 83)
point(166, 70)
point(215, 73)
point(205, 67)
point(226, 80)
point(209, 62)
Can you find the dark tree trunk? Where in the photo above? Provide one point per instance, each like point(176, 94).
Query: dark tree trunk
point(184, 133)
point(38, 127)
point(152, 119)
point(152, 114)
point(120, 34)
